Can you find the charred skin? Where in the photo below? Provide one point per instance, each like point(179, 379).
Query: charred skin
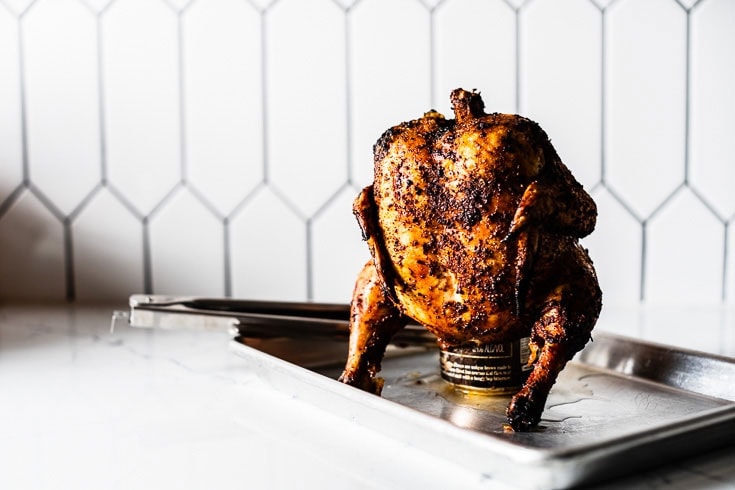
point(473, 225)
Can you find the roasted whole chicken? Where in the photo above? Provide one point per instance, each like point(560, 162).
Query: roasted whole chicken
point(473, 226)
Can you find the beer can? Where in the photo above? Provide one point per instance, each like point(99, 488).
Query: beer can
point(492, 368)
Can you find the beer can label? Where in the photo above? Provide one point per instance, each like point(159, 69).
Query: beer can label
point(498, 367)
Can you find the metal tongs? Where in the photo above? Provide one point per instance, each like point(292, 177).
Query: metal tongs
point(253, 319)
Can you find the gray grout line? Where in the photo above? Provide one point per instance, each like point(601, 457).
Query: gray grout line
point(309, 261)
point(46, 202)
point(281, 196)
point(181, 87)
point(432, 59)
point(328, 202)
point(12, 198)
point(203, 200)
point(687, 95)
point(102, 107)
point(725, 263)
point(69, 261)
point(348, 98)
point(518, 60)
point(603, 97)
point(264, 94)
point(644, 251)
point(237, 209)
point(23, 104)
point(118, 195)
point(84, 202)
point(666, 200)
point(227, 259)
point(147, 272)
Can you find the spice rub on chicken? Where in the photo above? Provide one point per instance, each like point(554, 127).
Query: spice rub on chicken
point(473, 226)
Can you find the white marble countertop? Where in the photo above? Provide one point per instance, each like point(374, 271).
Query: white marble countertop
point(82, 408)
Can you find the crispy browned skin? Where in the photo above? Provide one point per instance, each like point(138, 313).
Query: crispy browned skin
point(473, 227)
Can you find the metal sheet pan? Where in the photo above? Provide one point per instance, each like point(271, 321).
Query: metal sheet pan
point(620, 406)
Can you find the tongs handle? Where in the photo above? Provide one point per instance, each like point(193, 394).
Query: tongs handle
point(256, 319)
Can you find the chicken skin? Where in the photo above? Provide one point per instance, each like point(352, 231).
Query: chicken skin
point(473, 226)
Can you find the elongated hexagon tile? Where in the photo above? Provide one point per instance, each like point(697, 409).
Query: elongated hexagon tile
point(306, 100)
point(338, 252)
point(645, 79)
point(63, 116)
point(671, 325)
point(141, 98)
point(615, 249)
point(684, 254)
point(32, 258)
point(108, 251)
point(482, 58)
point(11, 150)
point(712, 145)
point(561, 80)
point(187, 248)
point(620, 319)
point(389, 74)
point(268, 250)
point(224, 133)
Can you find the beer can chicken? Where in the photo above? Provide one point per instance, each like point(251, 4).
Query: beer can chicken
point(473, 226)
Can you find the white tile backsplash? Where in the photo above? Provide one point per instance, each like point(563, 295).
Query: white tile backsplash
point(11, 149)
point(223, 100)
point(615, 247)
point(306, 90)
point(729, 276)
point(645, 87)
point(389, 73)
point(214, 147)
point(268, 240)
point(561, 59)
point(492, 70)
point(712, 100)
point(336, 256)
point(684, 253)
point(184, 231)
point(62, 101)
point(32, 245)
point(141, 112)
point(108, 249)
